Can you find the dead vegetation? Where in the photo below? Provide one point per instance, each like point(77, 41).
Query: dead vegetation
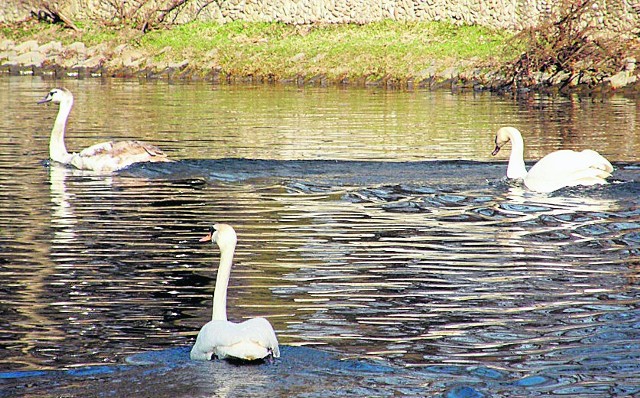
point(568, 48)
point(144, 15)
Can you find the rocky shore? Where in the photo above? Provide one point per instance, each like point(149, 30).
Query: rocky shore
point(80, 61)
point(77, 60)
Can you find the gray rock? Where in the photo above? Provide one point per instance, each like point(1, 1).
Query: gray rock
point(119, 49)
point(559, 78)
point(178, 65)
point(93, 62)
point(450, 73)
point(77, 47)
point(51, 47)
point(26, 47)
point(7, 45)
point(32, 58)
point(128, 62)
point(427, 73)
point(8, 54)
point(133, 53)
point(620, 79)
point(630, 64)
point(98, 49)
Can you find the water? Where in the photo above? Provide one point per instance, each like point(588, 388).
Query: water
point(375, 232)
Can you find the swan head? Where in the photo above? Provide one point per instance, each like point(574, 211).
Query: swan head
point(223, 235)
point(56, 96)
point(504, 135)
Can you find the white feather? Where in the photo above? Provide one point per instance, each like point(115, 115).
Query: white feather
point(559, 169)
point(249, 340)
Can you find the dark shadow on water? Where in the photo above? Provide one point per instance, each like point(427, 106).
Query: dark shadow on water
point(321, 175)
point(328, 172)
point(300, 372)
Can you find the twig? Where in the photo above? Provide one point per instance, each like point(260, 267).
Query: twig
point(51, 13)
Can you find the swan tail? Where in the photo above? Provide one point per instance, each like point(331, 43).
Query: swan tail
point(597, 161)
point(260, 332)
point(591, 176)
point(156, 154)
point(246, 350)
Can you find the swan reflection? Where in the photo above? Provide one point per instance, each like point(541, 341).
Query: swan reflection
point(63, 220)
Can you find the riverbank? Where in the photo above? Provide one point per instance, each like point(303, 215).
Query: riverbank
point(390, 54)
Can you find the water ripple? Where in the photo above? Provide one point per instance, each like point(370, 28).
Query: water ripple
point(462, 283)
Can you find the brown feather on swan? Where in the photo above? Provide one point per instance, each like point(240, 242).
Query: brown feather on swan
point(103, 157)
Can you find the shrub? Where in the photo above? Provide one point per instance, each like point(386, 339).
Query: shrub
point(568, 46)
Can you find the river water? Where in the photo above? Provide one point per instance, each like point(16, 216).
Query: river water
point(376, 233)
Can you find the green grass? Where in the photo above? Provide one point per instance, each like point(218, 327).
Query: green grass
point(377, 50)
point(383, 48)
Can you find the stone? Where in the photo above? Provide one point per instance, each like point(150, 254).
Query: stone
point(27, 46)
point(178, 65)
point(119, 49)
point(93, 62)
point(98, 49)
point(620, 79)
point(132, 54)
point(297, 58)
point(559, 78)
point(77, 47)
point(7, 55)
point(427, 73)
point(7, 45)
point(130, 63)
point(450, 73)
point(32, 58)
point(51, 47)
point(67, 62)
point(630, 64)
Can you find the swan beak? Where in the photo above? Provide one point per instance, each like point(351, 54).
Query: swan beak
point(206, 238)
point(495, 151)
point(45, 99)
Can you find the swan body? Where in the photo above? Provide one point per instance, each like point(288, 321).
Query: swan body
point(559, 169)
point(104, 157)
point(250, 340)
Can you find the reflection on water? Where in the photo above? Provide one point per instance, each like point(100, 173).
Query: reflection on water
point(428, 276)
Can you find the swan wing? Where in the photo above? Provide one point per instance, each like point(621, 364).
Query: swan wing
point(249, 340)
point(260, 331)
point(97, 149)
point(115, 155)
point(567, 168)
point(596, 161)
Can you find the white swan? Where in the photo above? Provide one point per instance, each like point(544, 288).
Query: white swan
point(249, 340)
point(559, 169)
point(103, 157)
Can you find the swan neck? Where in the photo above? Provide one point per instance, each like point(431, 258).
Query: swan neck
point(222, 282)
point(516, 167)
point(57, 149)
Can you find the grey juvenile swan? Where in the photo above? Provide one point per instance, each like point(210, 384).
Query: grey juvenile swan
point(253, 339)
point(104, 157)
point(559, 169)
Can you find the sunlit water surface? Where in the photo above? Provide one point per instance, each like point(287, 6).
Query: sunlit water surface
point(375, 233)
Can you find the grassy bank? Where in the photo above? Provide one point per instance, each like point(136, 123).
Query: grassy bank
point(385, 49)
point(379, 49)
